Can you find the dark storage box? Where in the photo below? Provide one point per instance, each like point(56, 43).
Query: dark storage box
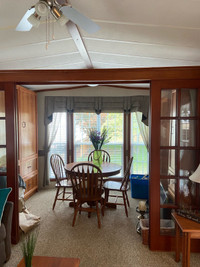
point(139, 186)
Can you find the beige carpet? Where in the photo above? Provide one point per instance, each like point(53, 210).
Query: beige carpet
point(116, 244)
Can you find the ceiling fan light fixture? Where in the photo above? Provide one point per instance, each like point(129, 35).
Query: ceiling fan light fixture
point(42, 8)
point(58, 15)
point(34, 20)
point(62, 20)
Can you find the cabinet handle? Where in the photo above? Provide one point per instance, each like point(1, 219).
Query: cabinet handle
point(23, 124)
point(29, 166)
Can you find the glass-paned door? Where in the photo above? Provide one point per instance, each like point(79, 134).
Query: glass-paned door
point(177, 145)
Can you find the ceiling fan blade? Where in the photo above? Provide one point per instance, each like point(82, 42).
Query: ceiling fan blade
point(24, 25)
point(87, 24)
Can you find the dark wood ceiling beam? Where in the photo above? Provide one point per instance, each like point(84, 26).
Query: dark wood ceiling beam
point(99, 75)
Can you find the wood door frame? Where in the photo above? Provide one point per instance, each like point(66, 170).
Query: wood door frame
point(157, 241)
point(10, 78)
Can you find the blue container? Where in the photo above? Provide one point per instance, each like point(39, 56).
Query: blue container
point(139, 186)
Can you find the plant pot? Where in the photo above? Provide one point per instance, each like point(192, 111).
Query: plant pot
point(97, 158)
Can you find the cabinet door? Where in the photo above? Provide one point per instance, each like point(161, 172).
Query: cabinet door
point(27, 123)
point(27, 139)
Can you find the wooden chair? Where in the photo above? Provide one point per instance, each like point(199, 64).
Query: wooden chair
point(62, 182)
point(121, 186)
point(87, 181)
point(105, 156)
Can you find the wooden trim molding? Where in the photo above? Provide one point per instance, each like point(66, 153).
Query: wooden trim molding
point(11, 153)
point(100, 75)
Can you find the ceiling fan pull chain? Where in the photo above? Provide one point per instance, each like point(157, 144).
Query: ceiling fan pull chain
point(47, 31)
point(53, 32)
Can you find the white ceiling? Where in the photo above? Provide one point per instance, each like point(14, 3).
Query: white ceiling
point(134, 33)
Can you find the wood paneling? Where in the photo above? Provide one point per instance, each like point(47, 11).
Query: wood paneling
point(27, 139)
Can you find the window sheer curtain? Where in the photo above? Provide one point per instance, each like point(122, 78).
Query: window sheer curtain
point(57, 104)
point(50, 134)
point(144, 130)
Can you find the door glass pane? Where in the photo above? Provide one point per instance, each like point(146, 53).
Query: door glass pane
point(167, 191)
point(2, 104)
point(187, 162)
point(187, 191)
point(188, 102)
point(187, 133)
point(167, 225)
point(168, 133)
point(2, 159)
point(2, 132)
point(168, 103)
point(167, 161)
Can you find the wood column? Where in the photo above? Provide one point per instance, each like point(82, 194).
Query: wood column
point(11, 153)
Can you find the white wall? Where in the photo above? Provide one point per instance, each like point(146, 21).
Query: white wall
point(85, 91)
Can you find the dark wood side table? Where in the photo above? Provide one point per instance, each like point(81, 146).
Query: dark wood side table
point(190, 230)
point(52, 262)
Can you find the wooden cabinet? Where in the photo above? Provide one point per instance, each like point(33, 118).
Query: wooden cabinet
point(27, 139)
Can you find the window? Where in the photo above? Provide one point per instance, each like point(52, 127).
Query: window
point(138, 148)
point(58, 133)
point(112, 121)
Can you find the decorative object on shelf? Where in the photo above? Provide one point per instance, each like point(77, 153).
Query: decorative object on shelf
point(98, 139)
point(28, 247)
point(191, 215)
point(195, 177)
point(142, 210)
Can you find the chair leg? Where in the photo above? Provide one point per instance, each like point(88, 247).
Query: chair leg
point(89, 213)
point(75, 212)
point(127, 199)
point(124, 197)
point(105, 200)
point(64, 192)
point(102, 206)
point(98, 214)
point(54, 203)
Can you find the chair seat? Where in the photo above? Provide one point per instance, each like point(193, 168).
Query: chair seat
point(64, 183)
point(112, 185)
point(84, 197)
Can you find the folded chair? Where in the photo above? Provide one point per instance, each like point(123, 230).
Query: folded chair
point(62, 182)
point(87, 181)
point(121, 186)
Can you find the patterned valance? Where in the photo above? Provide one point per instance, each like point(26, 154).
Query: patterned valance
point(98, 105)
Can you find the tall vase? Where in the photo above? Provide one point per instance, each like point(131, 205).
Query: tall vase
point(97, 158)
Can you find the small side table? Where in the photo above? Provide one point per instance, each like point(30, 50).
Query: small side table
point(141, 216)
point(190, 229)
point(52, 261)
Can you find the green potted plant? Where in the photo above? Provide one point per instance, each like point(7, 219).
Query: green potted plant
point(28, 247)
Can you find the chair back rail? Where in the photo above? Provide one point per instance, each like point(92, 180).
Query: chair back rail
point(126, 175)
point(57, 165)
point(105, 156)
point(87, 181)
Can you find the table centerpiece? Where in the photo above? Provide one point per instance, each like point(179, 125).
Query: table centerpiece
point(98, 139)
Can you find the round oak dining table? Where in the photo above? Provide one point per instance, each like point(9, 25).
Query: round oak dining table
point(107, 168)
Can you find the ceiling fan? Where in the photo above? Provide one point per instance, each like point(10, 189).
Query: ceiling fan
point(61, 10)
